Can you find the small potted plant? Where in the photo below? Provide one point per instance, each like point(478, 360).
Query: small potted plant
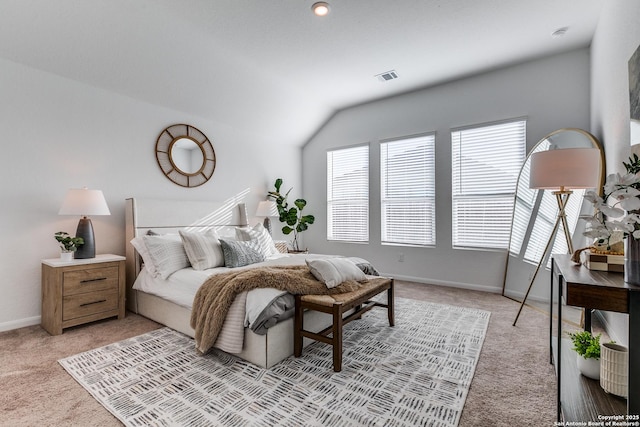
point(588, 348)
point(68, 244)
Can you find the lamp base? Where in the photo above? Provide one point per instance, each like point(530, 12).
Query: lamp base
point(267, 224)
point(85, 230)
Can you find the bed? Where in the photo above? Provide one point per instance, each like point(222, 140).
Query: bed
point(144, 216)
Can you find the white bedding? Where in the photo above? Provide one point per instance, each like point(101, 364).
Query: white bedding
point(182, 286)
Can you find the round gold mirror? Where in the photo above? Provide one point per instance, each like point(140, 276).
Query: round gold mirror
point(185, 155)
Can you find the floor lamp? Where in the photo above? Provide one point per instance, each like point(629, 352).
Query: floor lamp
point(561, 171)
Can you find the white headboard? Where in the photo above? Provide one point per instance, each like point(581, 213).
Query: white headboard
point(169, 216)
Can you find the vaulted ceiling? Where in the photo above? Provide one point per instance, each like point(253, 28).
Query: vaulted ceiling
point(272, 67)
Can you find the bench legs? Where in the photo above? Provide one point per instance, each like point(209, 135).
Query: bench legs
point(337, 310)
point(298, 327)
point(337, 337)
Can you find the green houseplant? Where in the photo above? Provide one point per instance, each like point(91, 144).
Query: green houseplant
point(292, 216)
point(68, 243)
point(587, 346)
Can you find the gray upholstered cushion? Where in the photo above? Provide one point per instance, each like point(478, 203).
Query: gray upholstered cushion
point(238, 254)
point(203, 249)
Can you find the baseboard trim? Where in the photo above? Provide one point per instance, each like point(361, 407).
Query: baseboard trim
point(17, 324)
point(468, 286)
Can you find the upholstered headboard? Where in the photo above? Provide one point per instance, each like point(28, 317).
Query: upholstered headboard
point(169, 216)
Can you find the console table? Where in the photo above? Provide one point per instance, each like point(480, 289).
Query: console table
point(597, 290)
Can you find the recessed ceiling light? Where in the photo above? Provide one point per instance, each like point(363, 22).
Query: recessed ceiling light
point(560, 32)
point(320, 8)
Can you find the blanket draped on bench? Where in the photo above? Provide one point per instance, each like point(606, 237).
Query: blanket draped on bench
point(213, 299)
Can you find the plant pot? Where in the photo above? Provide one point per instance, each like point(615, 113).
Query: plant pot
point(614, 366)
point(590, 368)
point(66, 256)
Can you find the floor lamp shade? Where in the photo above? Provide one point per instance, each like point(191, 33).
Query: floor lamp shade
point(569, 168)
point(85, 202)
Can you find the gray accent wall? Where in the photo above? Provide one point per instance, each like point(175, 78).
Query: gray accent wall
point(552, 92)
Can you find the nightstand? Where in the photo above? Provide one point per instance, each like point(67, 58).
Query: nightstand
point(81, 291)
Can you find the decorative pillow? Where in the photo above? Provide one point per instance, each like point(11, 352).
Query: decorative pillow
point(203, 249)
point(138, 244)
point(238, 254)
point(261, 236)
point(334, 271)
point(167, 254)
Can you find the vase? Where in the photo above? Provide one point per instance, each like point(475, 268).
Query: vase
point(590, 368)
point(66, 256)
point(632, 260)
point(614, 365)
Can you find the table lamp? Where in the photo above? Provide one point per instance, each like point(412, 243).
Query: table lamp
point(85, 202)
point(562, 171)
point(267, 209)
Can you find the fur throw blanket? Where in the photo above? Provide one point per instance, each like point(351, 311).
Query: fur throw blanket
point(213, 299)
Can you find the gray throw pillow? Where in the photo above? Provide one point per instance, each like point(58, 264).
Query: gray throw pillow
point(333, 271)
point(238, 254)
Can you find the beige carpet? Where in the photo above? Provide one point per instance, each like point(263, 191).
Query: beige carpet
point(514, 383)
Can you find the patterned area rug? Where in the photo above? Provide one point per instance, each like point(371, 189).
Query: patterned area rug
point(416, 373)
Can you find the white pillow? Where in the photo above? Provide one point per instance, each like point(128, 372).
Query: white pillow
point(203, 249)
point(261, 237)
point(334, 271)
point(167, 254)
point(138, 244)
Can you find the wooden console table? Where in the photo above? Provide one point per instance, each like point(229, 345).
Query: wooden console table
point(591, 290)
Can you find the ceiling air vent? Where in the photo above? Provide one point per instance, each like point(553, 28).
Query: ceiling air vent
point(387, 75)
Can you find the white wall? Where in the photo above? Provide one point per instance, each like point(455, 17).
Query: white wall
point(59, 134)
point(617, 37)
point(552, 92)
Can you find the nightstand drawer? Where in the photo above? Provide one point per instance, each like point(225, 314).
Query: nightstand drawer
point(90, 280)
point(87, 304)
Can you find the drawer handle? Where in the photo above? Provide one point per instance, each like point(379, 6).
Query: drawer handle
point(95, 302)
point(93, 280)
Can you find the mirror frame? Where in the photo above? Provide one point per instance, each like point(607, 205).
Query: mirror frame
point(164, 144)
point(596, 144)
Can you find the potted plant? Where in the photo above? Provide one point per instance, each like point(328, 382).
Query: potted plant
point(68, 244)
point(292, 216)
point(588, 348)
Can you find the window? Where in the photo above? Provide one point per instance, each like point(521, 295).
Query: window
point(348, 194)
point(407, 185)
point(485, 165)
point(526, 199)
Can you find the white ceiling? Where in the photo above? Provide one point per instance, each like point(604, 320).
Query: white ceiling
point(273, 68)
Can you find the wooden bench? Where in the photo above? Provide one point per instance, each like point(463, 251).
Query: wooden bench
point(337, 305)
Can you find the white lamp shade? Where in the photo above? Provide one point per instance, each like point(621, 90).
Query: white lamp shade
point(569, 168)
point(266, 209)
point(81, 201)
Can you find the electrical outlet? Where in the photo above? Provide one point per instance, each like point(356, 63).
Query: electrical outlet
point(401, 257)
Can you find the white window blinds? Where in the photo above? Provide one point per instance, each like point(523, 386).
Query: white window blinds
point(525, 201)
point(348, 194)
point(407, 185)
point(485, 165)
